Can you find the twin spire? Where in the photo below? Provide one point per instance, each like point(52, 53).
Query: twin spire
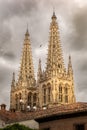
point(26, 73)
point(55, 61)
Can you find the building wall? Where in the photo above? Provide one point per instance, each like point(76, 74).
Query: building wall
point(2, 123)
point(64, 124)
point(30, 123)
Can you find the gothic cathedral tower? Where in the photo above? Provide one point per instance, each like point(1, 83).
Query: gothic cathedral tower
point(24, 92)
point(55, 85)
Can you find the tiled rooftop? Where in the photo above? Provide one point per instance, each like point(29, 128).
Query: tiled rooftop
point(10, 117)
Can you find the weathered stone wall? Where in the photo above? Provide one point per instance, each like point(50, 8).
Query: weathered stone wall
point(64, 124)
point(30, 123)
point(2, 123)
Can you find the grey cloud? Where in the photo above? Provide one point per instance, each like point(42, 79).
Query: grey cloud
point(4, 73)
point(83, 66)
point(80, 75)
point(5, 35)
point(13, 16)
point(8, 11)
point(17, 8)
point(5, 82)
point(79, 35)
point(9, 56)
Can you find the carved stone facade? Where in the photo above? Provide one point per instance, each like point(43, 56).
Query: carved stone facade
point(54, 86)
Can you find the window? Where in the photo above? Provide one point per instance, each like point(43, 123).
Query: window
point(60, 93)
point(79, 127)
point(60, 89)
point(49, 91)
point(16, 100)
point(53, 46)
point(60, 98)
point(59, 65)
point(30, 99)
point(66, 90)
point(66, 99)
point(20, 96)
point(34, 99)
point(44, 96)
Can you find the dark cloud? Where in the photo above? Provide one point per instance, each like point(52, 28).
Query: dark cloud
point(3, 74)
point(9, 56)
point(5, 35)
point(79, 36)
point(5, 82)
point(8, 49)
point(17, 8)
point(83, 67)
point(14, 16)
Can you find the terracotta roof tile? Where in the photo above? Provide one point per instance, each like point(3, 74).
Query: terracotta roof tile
point(10, 117)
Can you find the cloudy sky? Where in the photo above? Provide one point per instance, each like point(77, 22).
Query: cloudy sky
point(72, 20)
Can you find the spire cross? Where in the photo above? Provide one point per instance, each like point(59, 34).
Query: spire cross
point(27, 25)
point(27, 33)
point(53, 10)
point(54, 16)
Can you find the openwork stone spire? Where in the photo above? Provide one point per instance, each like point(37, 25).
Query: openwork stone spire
point(54, 86)
point(55, 62)
point(70, 70)
point(39, 73)
point(13, 81)
point(27, 70)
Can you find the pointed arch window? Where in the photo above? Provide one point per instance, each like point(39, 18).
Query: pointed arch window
point(66, 90)
point(20, 96)
point(60, 93)
point(44, 93)
point(66, 98)
point(60, 88)
point(30, 99)
point(66, 93)
point(60, 98)
point(34, 99)
point(49, 94)
point(16, 102)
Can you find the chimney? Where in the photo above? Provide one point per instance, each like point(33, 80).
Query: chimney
point(3, 107)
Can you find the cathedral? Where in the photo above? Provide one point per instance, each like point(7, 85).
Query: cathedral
point(54, 85)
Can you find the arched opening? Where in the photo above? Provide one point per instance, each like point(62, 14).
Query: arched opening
point(16, 102)
point(49, 92)
point(66, 98)
point(66, 90)
point(30, 99)
point(34, 99)
point(20, 96)
point(44, 91)
point(44, 94)
point(21, 102)
point(60, 93)
point(66, 93)
point(60, 88)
